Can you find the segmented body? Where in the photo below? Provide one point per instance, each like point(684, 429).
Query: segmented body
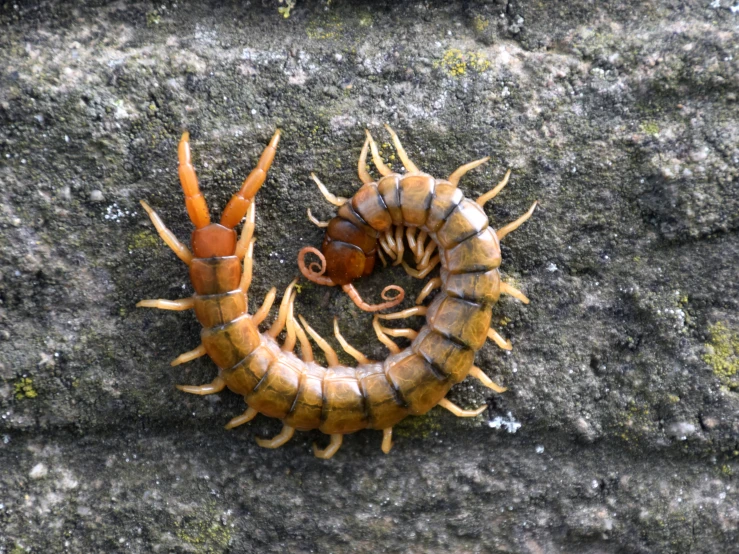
point(338, 400)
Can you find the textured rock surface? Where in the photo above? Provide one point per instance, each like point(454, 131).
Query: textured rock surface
point(621, 121)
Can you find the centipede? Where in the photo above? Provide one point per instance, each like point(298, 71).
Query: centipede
point(439, 225)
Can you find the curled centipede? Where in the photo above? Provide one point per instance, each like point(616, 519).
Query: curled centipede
point(439, 224)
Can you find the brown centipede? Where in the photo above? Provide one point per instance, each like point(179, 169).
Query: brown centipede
point(338, 400)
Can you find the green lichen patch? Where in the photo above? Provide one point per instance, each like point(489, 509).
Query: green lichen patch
point(143, 240)
point(456, 63)
point(650, 128)
point(205, 532)
point(723, 354)
point(419, 427)
point(24, 388)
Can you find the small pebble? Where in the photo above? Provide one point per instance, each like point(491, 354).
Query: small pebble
point(96, 196)
point(39, 471)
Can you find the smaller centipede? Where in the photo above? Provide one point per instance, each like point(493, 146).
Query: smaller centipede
point(338, 400)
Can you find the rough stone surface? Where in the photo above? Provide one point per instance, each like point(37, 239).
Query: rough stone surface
point(620, 118)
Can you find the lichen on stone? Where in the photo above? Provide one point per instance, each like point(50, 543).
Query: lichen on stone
point(723, 354)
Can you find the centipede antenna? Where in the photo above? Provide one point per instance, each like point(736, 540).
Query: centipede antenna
point(362, 305)
point(289, 343)
point(316, 222)
point(279, 439)
point(383, 338)
point(478, 374)
point(331, 198)
point(503, 231)
point(460, 171)
point(264, 309)
point(239, 203)
point(189, 356)
point(432, 285)
point(247, 233)
point(246, 417)
point(407, 163)
point(217, 385)
point(163, 304)
point(279, 323)
point(364, 175)
point(459, 412)
point(182, 251)
point(331, 449)
point(494, 192)
point(306, 350)
point(505, 344)
point(387, 440)
point(348, 348)
point(331, 357)
point(379, 164)
point(197, 208)
point(505, 288)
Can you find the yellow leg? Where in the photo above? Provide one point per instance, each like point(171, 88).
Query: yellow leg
point(218, 384)
point(246, 274)
point(364, 176)
point(279, 323)
point(316, 222)
point(400, 333)
point(420, 248)
point(278, 440)
point(494, 192)
point(459, 412)
point(432, 285)
point(331, 357)
point(247, 233)
point(381, 167)
point(189, 356)
point(478, 374)
point(423, 272)
point(162, 304)
point(330, 450)
point(505, 344)
point(246, 417)
point(416, 310)
point(426, 260)
point(306, 350)
point(382, 258)
point(387, 439)
point(407, 163)
point(503, 231)
point(290, 340)
point(331, 198)
point(410, 236)
point(399, 248)
point(266, 306)
point(391, 241)
point(382, 337)
point(348, 348)
point(457, 175)
point(182, 251)
point(511, 291)
point(386, 247)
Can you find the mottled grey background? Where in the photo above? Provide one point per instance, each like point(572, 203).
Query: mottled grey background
point(621, 118)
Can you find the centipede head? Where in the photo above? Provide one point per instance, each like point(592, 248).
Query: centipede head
point(213, 240)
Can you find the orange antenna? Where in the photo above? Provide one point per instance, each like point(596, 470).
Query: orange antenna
point(197, 208)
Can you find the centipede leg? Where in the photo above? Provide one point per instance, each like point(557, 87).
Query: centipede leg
point(331, 449)
point(331, 357)
point(505, 344)
point(400, 333)
point(503, 231)
point(459, 412)
point(182, 251)
point(218, 384)
point(364, 176)
point(306, 350)
point(246, 274)
point(432, 285)
point(266, 306)
point(331, 198)
point(278, 440)
point(162, 304)
point(421, 247)
point(189, 356)
point(420, 274)
point(316, 222)
point(247, 233)
point(510, 291)
point(407, 163)
point(399, 248)
point(246, 417)
point(387, 440)
point(379, 164)
point(291, 338)
point(416, 310)
point(348, 348)
point(279, 323)
point(457, 175)
point(382, 337)
point(492, 193)
point(478, 374)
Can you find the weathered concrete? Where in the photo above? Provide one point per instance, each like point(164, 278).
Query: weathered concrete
point(621, 120)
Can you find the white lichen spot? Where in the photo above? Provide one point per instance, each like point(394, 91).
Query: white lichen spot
point(508, 423)
point(39, 471)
